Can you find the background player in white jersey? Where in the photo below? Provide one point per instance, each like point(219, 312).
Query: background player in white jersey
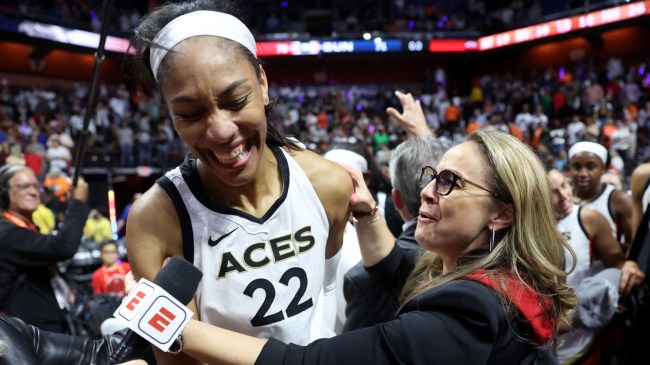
point(589, 236)
point(587, 164)
point(253, 210)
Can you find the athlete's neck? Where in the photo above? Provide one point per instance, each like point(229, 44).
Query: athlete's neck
point(588, 196)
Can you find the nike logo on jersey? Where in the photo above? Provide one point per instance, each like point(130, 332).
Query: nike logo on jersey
point(213, 243)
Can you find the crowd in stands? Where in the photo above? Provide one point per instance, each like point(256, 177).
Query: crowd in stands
point(550, 110)
point(340, 18)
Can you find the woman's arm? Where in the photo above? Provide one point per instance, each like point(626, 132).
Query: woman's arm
point(606, 247)
point(214, 345)
point(29, 248)
point(609, 250)
point(153, 233)
point(439, 329)
point(638, 182)
point(622, 205)
point(375, 239)
point(333, 187)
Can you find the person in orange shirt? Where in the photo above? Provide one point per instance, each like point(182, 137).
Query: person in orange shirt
point(515, 131)
point(452, 119)
point(58, 184)
point(630, 111)
point(472, 126)
point(606, 132)
point(323, 120)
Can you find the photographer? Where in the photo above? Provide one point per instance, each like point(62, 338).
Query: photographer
point(30, 285)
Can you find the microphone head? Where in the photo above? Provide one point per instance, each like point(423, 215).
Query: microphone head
point(179, 278)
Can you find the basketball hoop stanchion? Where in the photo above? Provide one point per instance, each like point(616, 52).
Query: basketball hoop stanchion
point(90, 104)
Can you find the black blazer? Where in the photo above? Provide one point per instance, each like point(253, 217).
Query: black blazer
point(461, 322)
point(373, 299)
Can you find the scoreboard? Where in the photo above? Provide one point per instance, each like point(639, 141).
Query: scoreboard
point(543, 30)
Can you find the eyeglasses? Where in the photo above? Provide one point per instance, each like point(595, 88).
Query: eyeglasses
point(446, 181)
point(25, 186)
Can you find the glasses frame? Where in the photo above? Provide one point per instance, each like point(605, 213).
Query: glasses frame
point(25, 186)
point(454, 180)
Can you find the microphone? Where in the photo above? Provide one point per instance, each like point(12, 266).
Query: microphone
point(180, 279)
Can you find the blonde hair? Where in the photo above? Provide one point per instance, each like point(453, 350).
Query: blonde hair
point(532, 249)
point(3, 348)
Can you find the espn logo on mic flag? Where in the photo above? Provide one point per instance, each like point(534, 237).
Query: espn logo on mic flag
point(153, 314)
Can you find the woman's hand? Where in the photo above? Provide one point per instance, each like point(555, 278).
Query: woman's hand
point(80, 191)
point(129, 283)
point(361, 199)
point(631, 276)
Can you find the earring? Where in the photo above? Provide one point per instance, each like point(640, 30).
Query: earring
point(492, 240)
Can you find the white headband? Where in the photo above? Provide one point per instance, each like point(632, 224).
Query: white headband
point(592, 147)
point(352, 159)
point(196, 23)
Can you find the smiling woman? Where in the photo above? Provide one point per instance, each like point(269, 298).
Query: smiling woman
point(261, 217)
point(27, 257)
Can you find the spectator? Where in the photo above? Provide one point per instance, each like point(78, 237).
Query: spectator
point(380, 138)
point(44, 218)
point(452, 119)
point(524, 120)
point(125, 137)
point(121, 222)
point(574, 130)
point(109, 278)
point(30, 286)
point(58, 184)
point(98, 227)
point(58, 156)
point(163, 140)
point(33, 160)
point(144, 147)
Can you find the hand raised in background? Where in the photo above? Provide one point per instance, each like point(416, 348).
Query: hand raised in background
point(412, 118)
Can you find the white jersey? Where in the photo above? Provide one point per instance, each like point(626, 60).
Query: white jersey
point(261, 276)
point(572, 229)
point(602, 205)
point(574, 344)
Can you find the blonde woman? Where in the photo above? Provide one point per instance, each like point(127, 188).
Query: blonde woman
point(489, 288)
